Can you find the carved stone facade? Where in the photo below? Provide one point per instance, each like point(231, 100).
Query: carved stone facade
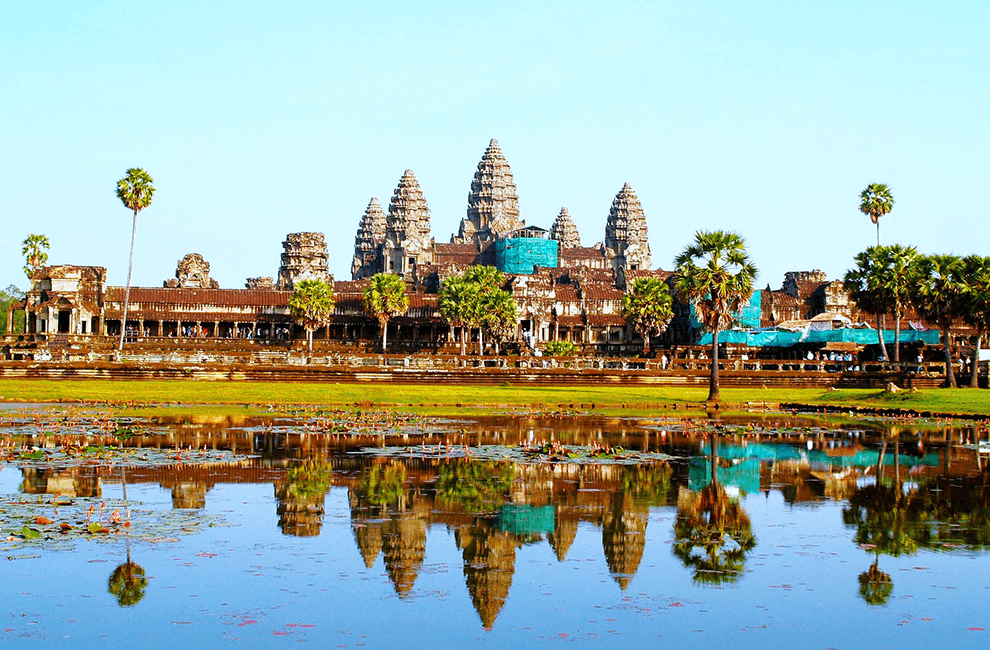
point(192, 272)
point(493, 204)
point(408, 243)
point(368, 241)
point(66, 299)
point(564, 230)
point(627, 241)
point(262, 282)
point(305, 258)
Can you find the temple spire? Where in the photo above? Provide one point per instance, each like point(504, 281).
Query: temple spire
point(626, 238)
point(493, 203)
point(564, 230)
point(369, 237)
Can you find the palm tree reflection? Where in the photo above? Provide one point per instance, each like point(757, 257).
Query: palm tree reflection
point(127, 583)
point(712, 532)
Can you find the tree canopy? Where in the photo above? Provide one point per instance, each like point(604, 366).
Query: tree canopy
point(385, 298)
point(875, 202)
point(312, 306)
point(648, 308)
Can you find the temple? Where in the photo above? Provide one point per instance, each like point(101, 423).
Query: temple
point(563, 290)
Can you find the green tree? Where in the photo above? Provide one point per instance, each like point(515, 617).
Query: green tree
point(312, 306)
point(876, 201)
point(499, 316)
point(976, 304)
point(458, 305)
point(488, 280)
point(648, 308)
point(135, 191)
point(884, 280)
point(715, 274)
point(385, 298)
point(9, 296)
point(938, 297)
point(34, 249)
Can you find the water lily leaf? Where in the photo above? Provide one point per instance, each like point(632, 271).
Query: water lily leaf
point(97, 527)
point(42, 521)
point(30, 533)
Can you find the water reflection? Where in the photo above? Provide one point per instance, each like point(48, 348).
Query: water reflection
point(904, 489)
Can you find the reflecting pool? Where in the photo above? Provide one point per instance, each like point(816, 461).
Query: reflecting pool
point(349, 528)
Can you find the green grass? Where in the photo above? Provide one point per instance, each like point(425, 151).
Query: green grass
point(606, 398)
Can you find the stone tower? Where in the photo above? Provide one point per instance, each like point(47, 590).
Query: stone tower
point(407, 228)
point(564, 230)
point(368, 241)
point(627, 242)
point(493, 204)
point(305, 258)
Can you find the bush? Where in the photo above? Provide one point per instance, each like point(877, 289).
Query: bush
point(560, 349)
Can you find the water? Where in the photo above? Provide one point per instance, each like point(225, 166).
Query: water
point(268, 532)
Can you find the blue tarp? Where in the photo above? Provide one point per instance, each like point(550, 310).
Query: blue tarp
point(785, 339)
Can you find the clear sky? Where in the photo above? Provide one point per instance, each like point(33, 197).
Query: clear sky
point(261, 119)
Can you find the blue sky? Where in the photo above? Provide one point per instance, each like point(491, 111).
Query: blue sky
point(257, 120)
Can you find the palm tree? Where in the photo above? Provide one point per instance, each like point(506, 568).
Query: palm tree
point(34, 249)
point(715, 275)
point(939, 298)
point(901, 264)
point(499, 315)
point(457, 304)
point(127, 583)
point(385, 298)
point(488, 279)
point(312, 306)
point(876, 201)
point(648, 308)
point(135, 191)
point(977, 305)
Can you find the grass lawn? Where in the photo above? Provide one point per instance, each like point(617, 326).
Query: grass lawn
point(605, 398)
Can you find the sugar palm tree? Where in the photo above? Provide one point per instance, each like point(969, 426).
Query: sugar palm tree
point(499, 316)
point(976, 272)
point(458, 305)
point(715, 274)
point(385, 298)
point(487, 279)
point(34, 249)
point(648, 308)
point(866, 285)
point(135, 191)
point(901, 263)
point(312, 305)
point(939, 298)
point(876, 201)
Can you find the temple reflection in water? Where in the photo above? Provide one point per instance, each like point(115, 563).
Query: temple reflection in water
point(493, 508)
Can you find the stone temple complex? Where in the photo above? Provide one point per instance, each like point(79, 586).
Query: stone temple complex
point(563, 290)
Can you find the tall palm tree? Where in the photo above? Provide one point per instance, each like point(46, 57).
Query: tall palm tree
point(715, 274)
point(312, 305)
point(977, 305)
point(648, 308)
point(939, 298)
point(866, 286)
point(876, 201)
point(487, 279)
point(135, 191)
point(385, 298)
point(457, 304)
point(34, 249)
point(499, 316)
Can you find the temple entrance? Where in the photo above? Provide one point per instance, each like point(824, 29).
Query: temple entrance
point(63, 321)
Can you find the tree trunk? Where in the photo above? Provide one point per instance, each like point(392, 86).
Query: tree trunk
point(127, 291)
point(646, 345)
point(384, 325)
point(309, 342)
point(897, 336)
point(974, 375)
point(713, 389)
point(881, 320)
point(883, 452)
point(463, 340)
point(481, 342)
point(950, 378)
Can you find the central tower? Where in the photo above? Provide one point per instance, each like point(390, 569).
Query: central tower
point(493, 204)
